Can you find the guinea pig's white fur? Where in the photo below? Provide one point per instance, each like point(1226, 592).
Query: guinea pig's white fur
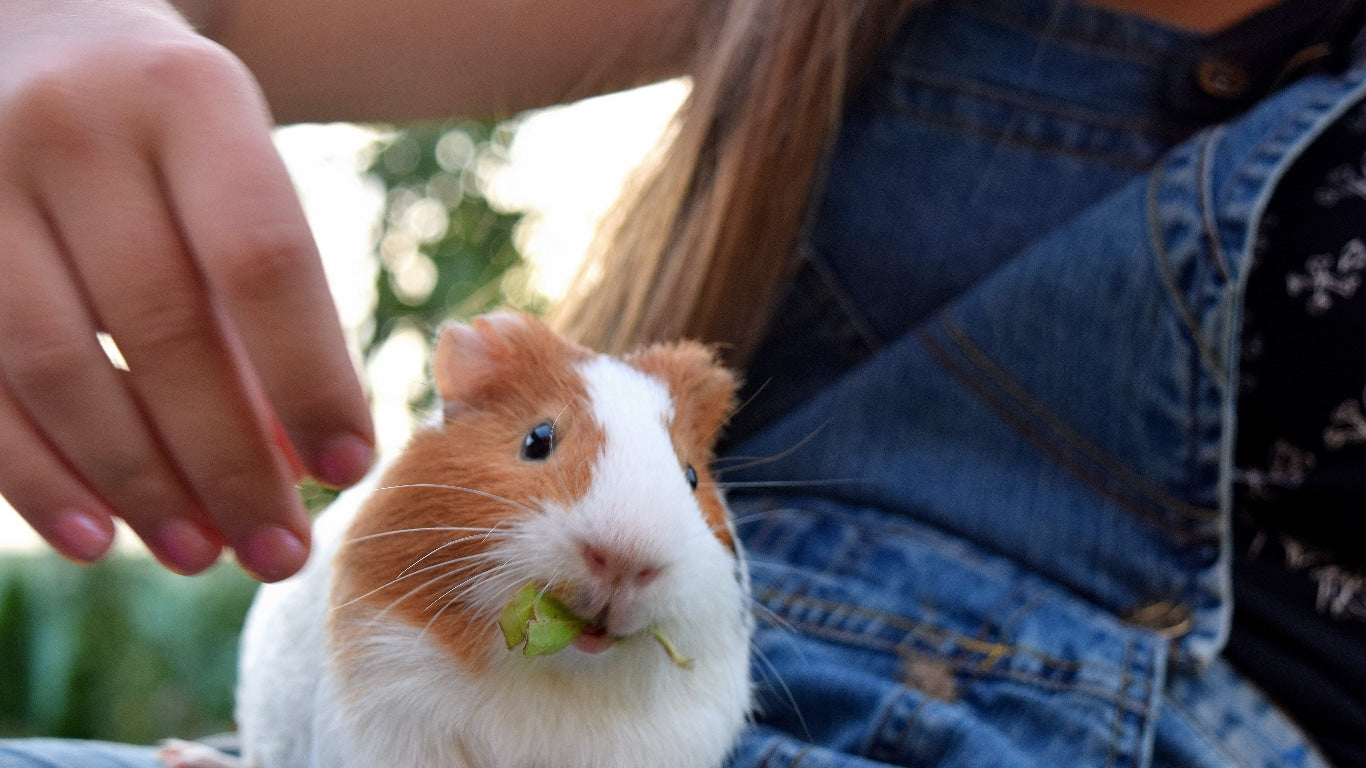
point(337, 674)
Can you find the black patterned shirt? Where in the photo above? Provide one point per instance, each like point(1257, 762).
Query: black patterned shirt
point(1300, 509)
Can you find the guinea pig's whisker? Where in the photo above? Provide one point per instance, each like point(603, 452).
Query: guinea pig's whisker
point(771, 673)
point(754, 517)
point(485, 577)
point(477, 492)
point(458, 591)
point(484, 537)
point(772, 618)
point(462, 591)
point(750, 400)
point(745, 462)
point(409, 575)
point(781, 483)
point(432, 529)
point(424, 585)
point(418, 561)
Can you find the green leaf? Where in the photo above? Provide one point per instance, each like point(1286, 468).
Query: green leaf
point(683, 662)
point(542, 625)
point(547, 636)
point(539, 622)
point(516, 614)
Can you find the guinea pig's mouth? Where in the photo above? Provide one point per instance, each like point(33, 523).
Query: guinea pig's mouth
point(594, 638)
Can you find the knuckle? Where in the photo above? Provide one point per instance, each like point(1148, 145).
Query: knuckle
point(164, 323)
point(22, 482)
point(133, 484)
point(233, 489)
point(52, 113)
point(188, 68)
point(42, 357)
point(312, 410)
point(266, 261)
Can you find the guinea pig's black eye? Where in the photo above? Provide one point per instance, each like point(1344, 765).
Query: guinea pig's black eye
point(690, 475)
point(539, 443)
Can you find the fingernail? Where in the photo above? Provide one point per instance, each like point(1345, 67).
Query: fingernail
point(272, 553)
point(183, 547)
point(296, 465)
point(82, 537)
point(344, 461)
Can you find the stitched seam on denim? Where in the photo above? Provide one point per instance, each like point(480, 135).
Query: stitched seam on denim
point(1333, 98)
point(929, 635)
point(853, 563)
point(1211, 739)
point(932, 631)
point(908, 727)
point(1060, 121)
point(847, 306)
point(1270, 159)
point(1025, 601)
point(899, 737)
point(880, 726)
point(970, 657)
point(994, 97)
point(1092, 480)
point(1050, 31)
point(842, 557)
point(959, 551)
point(1146, 713)
point(1062, 437)
point(1123, 162)
point(1117, 732)
point(1198, 725)
point(772, 751)
point(1206, 190)
point(1183, 310)
point(969, 669)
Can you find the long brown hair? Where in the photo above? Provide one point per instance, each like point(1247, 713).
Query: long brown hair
point(701, 244)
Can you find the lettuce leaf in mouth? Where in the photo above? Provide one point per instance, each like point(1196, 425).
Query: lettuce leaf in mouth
point(541, 624)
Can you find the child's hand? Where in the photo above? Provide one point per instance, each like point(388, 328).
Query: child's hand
point(140, 195)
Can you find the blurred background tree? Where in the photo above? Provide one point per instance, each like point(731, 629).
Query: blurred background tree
point(443, 250)
point(127, 652)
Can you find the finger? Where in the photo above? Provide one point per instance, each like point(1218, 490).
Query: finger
point(46, 494)
point(243, 223)
point(74, 403)
point(145, 291)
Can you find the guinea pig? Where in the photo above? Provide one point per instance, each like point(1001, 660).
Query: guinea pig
point(584, 475)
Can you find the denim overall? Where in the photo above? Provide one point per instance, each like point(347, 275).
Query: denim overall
point(984, 474)
point(991, 435)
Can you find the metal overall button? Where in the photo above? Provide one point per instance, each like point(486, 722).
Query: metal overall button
point(1222, 78)
point(1167, 618)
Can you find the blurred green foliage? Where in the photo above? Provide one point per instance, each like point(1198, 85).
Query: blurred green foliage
point(443, 249)
point(125, 651)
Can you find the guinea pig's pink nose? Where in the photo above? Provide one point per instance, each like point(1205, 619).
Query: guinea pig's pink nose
point(618, 569)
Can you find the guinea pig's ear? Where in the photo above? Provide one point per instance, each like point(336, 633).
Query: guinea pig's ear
point(469, 356)
point(702, 390)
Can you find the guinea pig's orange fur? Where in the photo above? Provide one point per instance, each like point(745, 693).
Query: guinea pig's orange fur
point(478, 447)
point(703, 397)
point(517, 380)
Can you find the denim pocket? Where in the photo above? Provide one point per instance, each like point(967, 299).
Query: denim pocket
point(884, 643)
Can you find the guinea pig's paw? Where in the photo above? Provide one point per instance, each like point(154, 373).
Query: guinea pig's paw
point(186, 754)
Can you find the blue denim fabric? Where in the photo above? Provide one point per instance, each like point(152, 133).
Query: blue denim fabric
point(56, 753)
point(1006, 373)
